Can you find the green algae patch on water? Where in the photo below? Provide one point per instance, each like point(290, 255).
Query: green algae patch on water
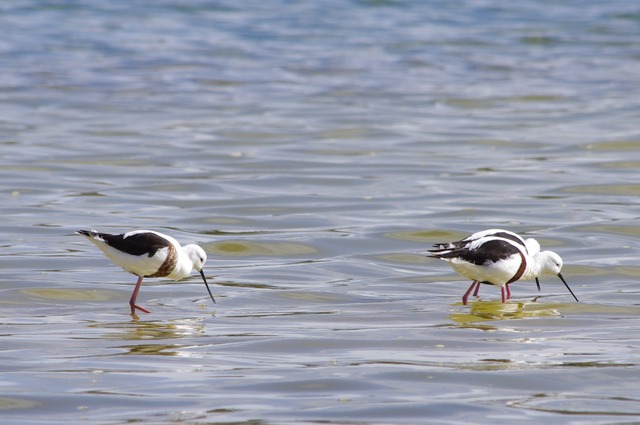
point(67, 294)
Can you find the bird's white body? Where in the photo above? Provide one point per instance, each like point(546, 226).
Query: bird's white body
point(498, 257)
point(189, 257)
point(499, 272)
point(532, 245)
point(147, 253)
point(495, 271)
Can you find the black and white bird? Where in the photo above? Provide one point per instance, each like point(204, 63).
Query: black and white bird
point(498, 257)
point(146, 253)
point(530, 245)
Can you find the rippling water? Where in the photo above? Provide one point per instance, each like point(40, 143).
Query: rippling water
point(316, 150)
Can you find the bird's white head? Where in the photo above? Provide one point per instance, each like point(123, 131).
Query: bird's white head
point(196, 254)
point(550, 262)
point(198, 257)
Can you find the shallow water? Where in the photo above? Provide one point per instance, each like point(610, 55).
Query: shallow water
point(316, 150)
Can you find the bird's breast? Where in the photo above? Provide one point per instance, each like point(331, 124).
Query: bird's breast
point(168, 265)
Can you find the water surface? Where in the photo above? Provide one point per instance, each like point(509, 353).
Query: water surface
point(316, 150)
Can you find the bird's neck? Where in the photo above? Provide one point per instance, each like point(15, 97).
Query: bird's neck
point(183, 267)
point(534, 267)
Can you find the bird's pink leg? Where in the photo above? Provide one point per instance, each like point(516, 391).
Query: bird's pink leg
point(508, 291)
point(475, 293)
point(503, 295)
point(132, 301)
point(465, 297)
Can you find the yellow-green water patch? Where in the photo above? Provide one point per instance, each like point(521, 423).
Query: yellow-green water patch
point(536, 98)
point(343, 133)
point(481, 311)
point(310, 296)
point(468, 103)
point(621, 164)
point(539, 40)
point(606, 189)
point(221, 220)
point(580, 270)
point(8, 403)
point(246, 248)
point(67, 294)
point(494, 310)
point(611, 229)
point(427, 236)
point(615, 145)
point(403, 258)
point(476, 103)
point(499, 143)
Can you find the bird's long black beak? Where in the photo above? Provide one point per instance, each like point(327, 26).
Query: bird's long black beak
point(213, 299)
point(538, 284)
point(565, 284)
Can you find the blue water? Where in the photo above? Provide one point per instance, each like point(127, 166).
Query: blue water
point(316, 150)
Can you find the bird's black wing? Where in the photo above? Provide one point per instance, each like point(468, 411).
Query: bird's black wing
point(492, 250)
point(137, 244)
